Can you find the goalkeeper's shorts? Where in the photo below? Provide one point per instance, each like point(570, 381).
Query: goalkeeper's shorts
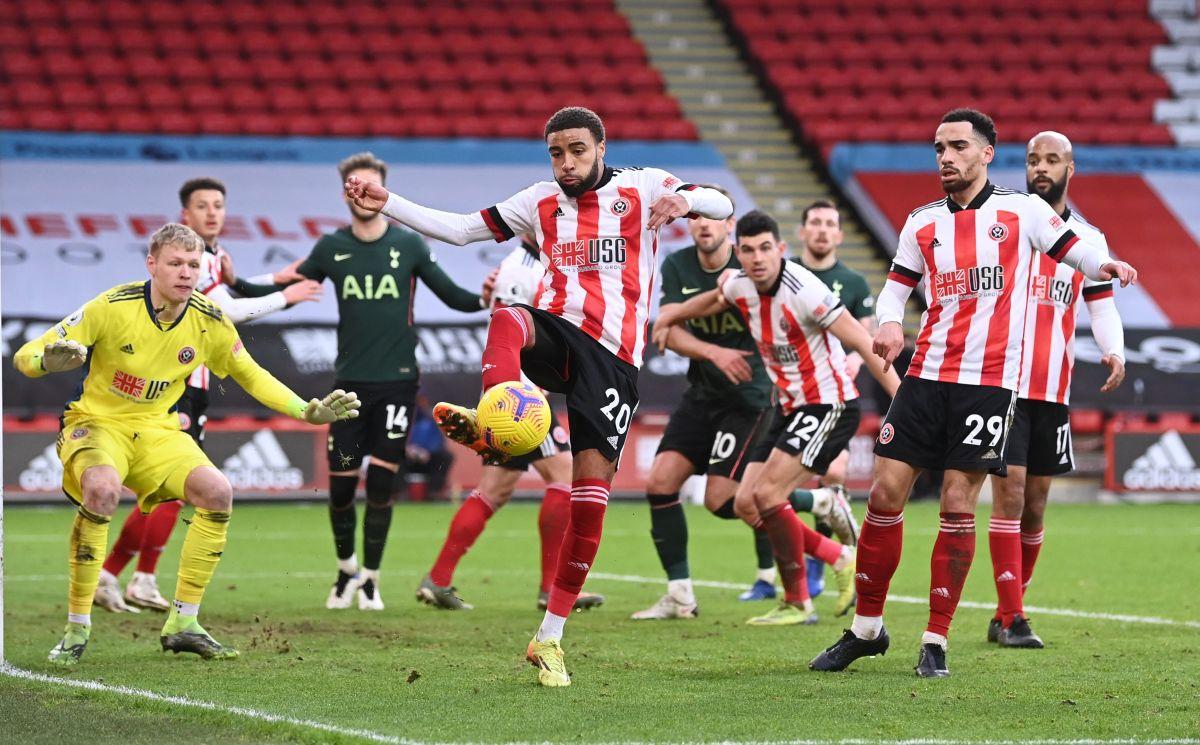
point(153, 462)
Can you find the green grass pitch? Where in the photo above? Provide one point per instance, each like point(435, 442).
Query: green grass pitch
point(414, 674)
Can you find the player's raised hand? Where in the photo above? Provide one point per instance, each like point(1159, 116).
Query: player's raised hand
point(299, 292)
point(489, 287)
point(889, 340)
point(660, 334)
point(665, 209)
point(334, 407)
point(366, 194)
point(63, 355)
point(228, 276)
point(288, 274)
point(1116, 373)
point(732, 362)
point(1121, 271)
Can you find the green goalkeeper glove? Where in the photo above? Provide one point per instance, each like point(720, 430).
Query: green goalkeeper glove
point(63, 355)
point(334, 407)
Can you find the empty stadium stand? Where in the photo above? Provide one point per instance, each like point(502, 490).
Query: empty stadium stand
point(319, 68)
point(885, 70)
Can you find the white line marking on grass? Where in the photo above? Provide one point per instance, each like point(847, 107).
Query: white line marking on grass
point(1152, 620)
point(263, 716)
point(266, 716)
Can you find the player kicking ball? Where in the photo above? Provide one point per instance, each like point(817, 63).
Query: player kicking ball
point(597, 231)
point(141, 341)
point(792, 316)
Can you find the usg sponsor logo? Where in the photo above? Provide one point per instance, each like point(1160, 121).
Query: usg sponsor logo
point(262, 464)
point(1167, 464)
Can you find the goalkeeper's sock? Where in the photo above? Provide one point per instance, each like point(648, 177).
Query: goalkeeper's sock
point(377, 517)
point(506, 337)
point(129, 542)
point(341, 514)
point(668, 528)
point(202, 548)
point(465, 528)
point(552, 526)
point(159, 525)
point(88, 542)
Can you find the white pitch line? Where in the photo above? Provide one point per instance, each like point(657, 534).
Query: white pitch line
point(1153, 620)
point(266, 716)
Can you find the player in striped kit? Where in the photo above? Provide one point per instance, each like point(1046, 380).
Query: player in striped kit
point(974, 249)
point(597, 228)
point(144, 536)
point(518, 280)
point(1039, 444)
point(791, 315)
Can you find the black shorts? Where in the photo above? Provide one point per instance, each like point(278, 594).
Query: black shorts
point(1040, 438)
point(816, 433)
point(379, 430)
point(715, 436)
point(947, 426)
point(601, 390)
point(556, 442)
point(192, 408)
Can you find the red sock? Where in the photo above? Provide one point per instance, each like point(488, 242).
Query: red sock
point(879, 548)
point(1031, 546)
point(815, 544)
point(159, 525)
point(1004, 540)
point(952, 554)
point(786, 532)
point(552, 525)
point(589, 498)
point(502, 353)
point(129, 542)
point(465, 528)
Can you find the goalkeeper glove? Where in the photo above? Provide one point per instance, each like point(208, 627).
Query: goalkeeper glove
point(334, 407)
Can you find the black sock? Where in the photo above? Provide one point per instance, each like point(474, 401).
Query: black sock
point(341, 513)
point(668, 528)
point(762, 548)
point(725, 511)
point(377, 518)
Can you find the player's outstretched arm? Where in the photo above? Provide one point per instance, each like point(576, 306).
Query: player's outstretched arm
point(854, 337)
point(36, 358)
point(1109, 333)
point(336, 406)
point(731, 362)
point(450, 227)
point(704, 304)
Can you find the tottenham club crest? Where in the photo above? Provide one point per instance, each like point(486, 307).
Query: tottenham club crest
point(620, 207)
point(186, 355)
point(886, 434)
point(998, 232)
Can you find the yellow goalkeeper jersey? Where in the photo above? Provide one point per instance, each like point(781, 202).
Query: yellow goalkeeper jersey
point(137, 367)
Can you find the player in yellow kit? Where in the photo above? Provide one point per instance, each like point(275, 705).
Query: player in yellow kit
point(140, 341)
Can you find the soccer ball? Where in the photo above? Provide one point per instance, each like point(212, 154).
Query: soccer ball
point(513, 417)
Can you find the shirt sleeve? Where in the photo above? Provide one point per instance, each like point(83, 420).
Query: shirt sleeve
point(1047, 231)
point(513, 216)
point(701, 200)
point(1092, 289)
point(85, 326)
point(863, 304)
point(816, 301)
point(227, 357)
point(311, 266)
point(446, 289)
point(672, 290)
point(907, 269)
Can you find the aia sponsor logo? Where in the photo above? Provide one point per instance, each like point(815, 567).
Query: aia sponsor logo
point(964, 284)
point(588, 255)
point(998, 232)
point(886, 433)
point(1051, 289)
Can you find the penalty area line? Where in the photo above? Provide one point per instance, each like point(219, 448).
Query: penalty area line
point(909, 599)
point(262, 716)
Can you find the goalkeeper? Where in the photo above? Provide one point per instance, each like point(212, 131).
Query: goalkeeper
point(140, 341)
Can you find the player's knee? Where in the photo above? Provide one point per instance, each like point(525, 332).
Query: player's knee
point(957, 498)
point(209, 489)
point(101, 495)
point(884, 496)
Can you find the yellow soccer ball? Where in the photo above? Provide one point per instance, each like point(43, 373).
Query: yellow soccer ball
point(513, 417)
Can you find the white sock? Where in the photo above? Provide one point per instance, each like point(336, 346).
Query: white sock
point(866, 627)
point(372, 574)
point(681, 590)
point(81, 618)
point(349, 566)
point(845, 559)
point(552, 627)
point(931, 638)
point(187, 609)
point(107, 577)
point(822, 501)
point(766, 575)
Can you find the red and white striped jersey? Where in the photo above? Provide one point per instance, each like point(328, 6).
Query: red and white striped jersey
point(210, 278)
point(806, 363)
point(1054, 293)
point(520, 277)
point(975, 261)
point(600, 258)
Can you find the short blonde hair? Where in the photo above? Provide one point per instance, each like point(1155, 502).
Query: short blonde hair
point(175, 234)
